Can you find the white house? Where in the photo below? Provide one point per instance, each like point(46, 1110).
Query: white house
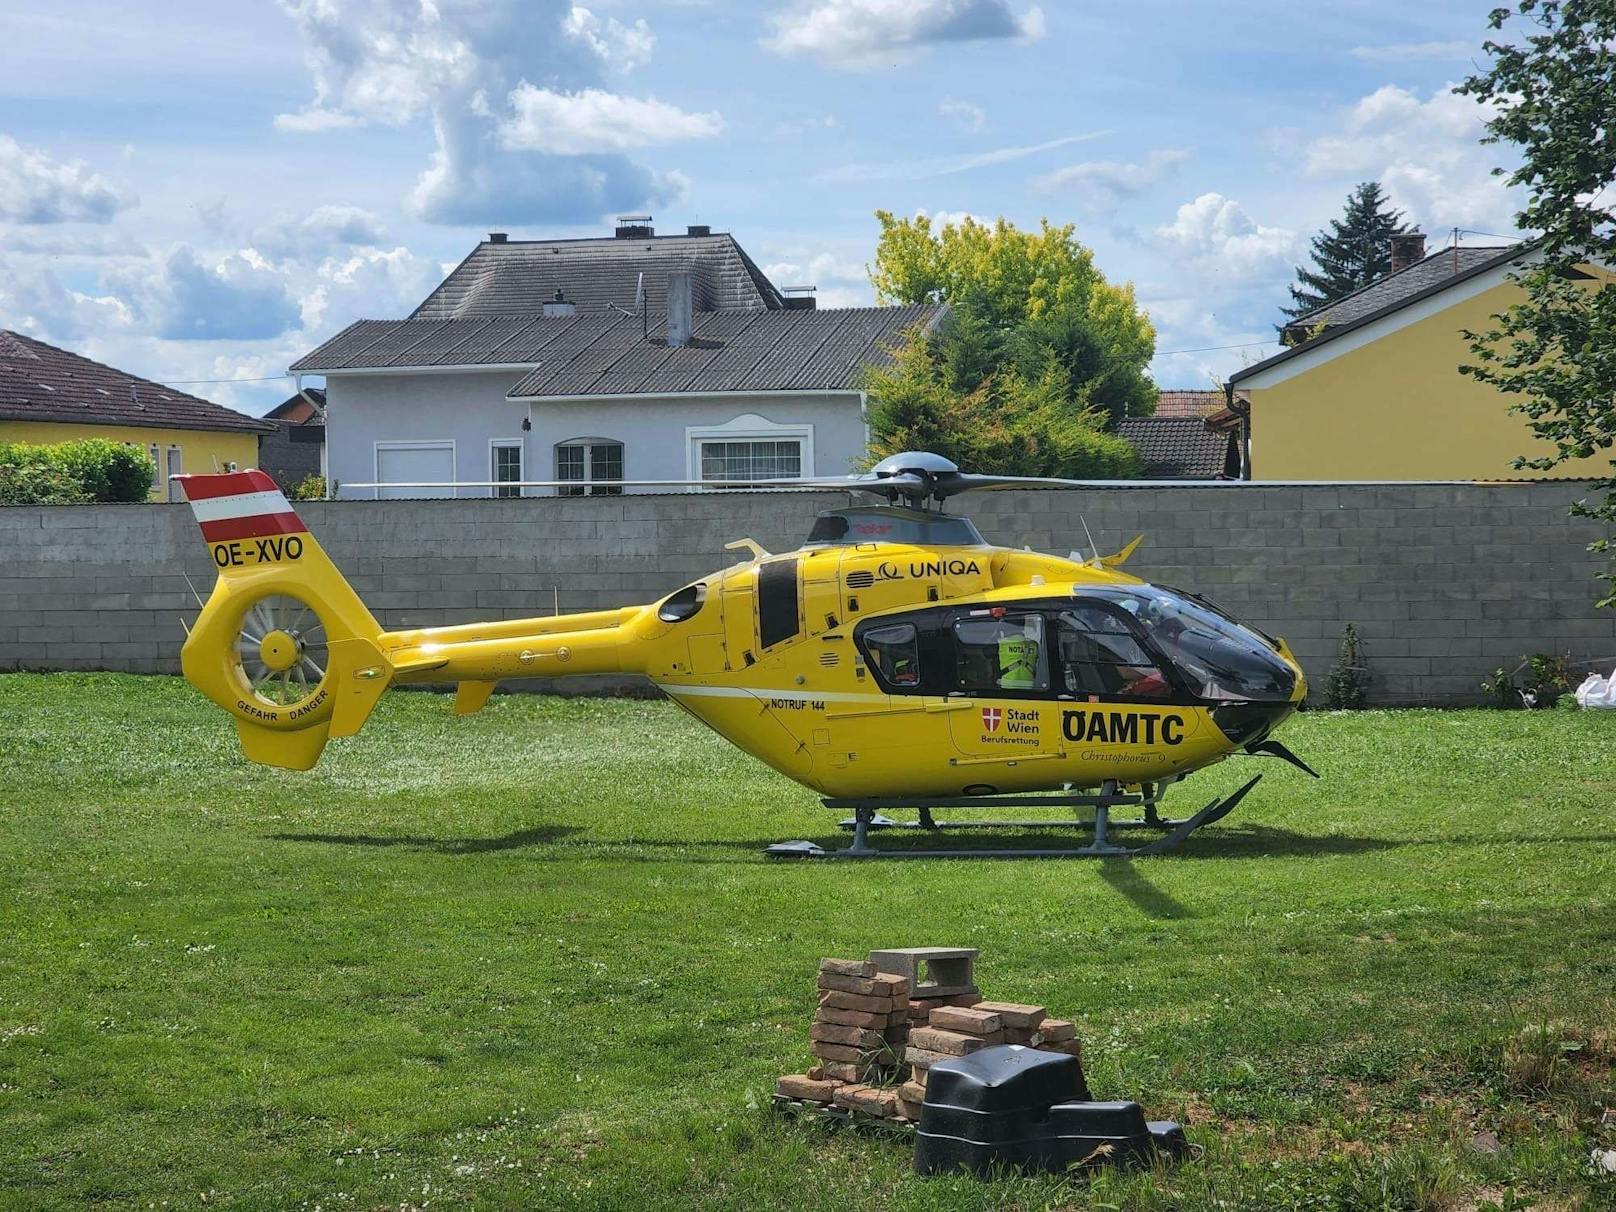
point(639, 357)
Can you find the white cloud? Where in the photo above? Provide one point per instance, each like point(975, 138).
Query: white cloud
point(315, 119)
point(507, 151)
point(1413, 52)
point(367, 282)
point(952, 218)
point(34, 188)
point(34, 300)
point(594, 120)
point(1217, 239)
point(1103, 185)
point(871, 33)
point(319, 232)
point(945, 166)
point(623, 47)
point(967, 117)
point(1427, 154)
point(236, 296)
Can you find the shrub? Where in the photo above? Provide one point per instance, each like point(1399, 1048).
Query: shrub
point(1547, 682)
point(1346, 689)
point(101, 470)
point(309, 488)
point(39, 484)
point(109, 471)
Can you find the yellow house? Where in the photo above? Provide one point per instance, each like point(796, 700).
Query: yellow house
point(50, 395)
point(1374, 391)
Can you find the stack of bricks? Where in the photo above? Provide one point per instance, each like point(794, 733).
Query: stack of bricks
point(940, 1033)
point(857, 1038)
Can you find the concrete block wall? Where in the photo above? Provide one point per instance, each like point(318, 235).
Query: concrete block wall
point(1445, 582)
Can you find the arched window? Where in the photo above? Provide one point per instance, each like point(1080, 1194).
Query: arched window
point(592, 459)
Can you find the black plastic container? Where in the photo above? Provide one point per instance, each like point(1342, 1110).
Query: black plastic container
point(1016, 1106)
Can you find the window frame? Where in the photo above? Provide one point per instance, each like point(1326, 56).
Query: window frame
point(1048, 691)
point(590, 445)
point(1178, 695)
point(495, 445)
point(748, 427)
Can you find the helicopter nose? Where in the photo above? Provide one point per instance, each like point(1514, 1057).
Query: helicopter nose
point(1246, 723)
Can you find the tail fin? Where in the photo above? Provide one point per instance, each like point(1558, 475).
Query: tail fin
point(283, 644)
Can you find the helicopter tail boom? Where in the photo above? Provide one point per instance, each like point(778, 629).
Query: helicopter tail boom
point(283, 643)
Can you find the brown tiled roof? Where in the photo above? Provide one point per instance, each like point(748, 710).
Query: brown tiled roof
point(39, 382)
point(1179, 403)
point(1178, 448)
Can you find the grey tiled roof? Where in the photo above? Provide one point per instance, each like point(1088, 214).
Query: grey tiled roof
point(518, 277)
point(1394, 288)
point(1173, 448)
point(609, 355)
point(39, 382)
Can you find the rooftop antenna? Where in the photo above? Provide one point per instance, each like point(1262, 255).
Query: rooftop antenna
point(639, 306)
point(1093, 550)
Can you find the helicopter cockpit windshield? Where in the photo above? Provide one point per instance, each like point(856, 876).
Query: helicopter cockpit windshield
point(891, 524)
point(1217, 657)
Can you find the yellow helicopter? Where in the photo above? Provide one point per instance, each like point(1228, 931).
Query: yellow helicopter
point(895, 661)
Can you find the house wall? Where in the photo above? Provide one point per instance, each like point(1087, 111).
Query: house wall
point(201, 450)
point(1395, 407)
point(1445, 582)
point(470, 408)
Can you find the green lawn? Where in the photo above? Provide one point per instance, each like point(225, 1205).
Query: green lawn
point(535, 959)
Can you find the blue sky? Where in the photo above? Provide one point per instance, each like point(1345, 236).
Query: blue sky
point(204, 191)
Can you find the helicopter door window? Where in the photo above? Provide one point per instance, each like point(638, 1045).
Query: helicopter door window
point(894, 652)
point(1099, 655)
point(1002, 653)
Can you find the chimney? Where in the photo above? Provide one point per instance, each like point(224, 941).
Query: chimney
point(559, 306)
point(678, 310)
point(497, 237)
point(698, 229)
point(800, 298)
point(1407, 248)
point(633, 227)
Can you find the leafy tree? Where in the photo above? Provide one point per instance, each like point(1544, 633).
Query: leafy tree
point(935, 397)
point(1351, 253)
point(1550, 92)
point(1031, 302)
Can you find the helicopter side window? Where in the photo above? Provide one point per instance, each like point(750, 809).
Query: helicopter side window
point(894, 651)
point(1001, 653)
point(1100, 655)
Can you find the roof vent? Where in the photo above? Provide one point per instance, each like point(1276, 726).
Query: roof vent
point(633, 227)
point(698, 229)
point(560, 306)
point(800, 298)
point(497, 237)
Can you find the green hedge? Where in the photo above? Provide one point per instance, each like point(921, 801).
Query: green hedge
point(71, 473)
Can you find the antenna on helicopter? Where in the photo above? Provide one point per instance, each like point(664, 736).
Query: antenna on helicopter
point(1094, 551)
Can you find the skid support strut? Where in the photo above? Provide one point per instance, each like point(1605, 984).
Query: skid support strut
point(868, 817)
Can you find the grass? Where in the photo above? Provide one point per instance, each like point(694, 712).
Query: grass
point(534, 959)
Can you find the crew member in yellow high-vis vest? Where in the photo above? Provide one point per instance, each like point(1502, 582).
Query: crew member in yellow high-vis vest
point(1018, 661)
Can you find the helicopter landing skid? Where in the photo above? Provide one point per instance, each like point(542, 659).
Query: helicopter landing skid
point(867, 817)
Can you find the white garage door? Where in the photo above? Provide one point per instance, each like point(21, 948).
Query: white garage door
point(424, 462)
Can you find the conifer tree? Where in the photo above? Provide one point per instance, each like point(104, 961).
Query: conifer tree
point(1351, 253)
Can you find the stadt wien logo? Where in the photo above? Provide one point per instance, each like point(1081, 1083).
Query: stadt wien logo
point(991, 717)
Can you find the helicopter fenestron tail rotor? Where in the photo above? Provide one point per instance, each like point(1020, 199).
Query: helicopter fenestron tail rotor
point(281, 650)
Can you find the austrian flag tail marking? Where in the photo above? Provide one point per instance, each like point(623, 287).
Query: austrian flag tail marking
point(239, 505)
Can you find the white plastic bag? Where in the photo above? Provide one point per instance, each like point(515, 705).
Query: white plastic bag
point(1596, 691)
